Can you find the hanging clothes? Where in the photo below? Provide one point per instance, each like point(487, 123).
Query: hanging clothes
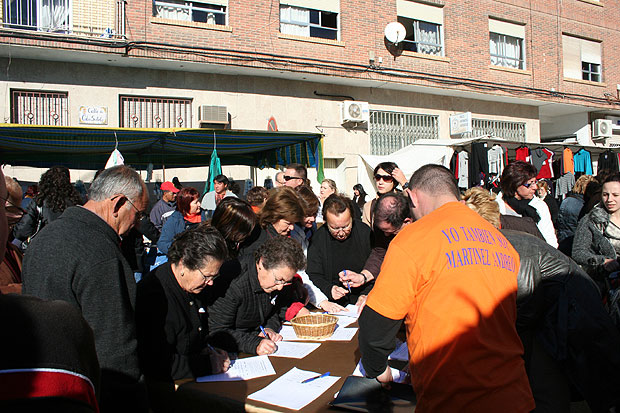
point(564, 184)
point(542, 159)
point(583, 162)
point(463, 169)
point(523, 153)
point(478, 164)
point(567, 161)
point(607, 160)
point(496, 160)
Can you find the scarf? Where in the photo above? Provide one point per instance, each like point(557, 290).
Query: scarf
point(194, 219)
point(523, 208)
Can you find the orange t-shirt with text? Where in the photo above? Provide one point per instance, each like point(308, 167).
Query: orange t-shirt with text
point(453, 277)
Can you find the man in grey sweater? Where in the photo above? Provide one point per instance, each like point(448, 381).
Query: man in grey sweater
point(78, 259)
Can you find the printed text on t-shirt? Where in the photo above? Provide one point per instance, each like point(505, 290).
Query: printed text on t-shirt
point(460, 257)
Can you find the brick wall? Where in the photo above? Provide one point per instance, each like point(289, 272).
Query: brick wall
point(252, 39)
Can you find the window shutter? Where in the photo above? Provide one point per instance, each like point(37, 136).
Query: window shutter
point(324, 5)
point(419, 11)
point(509, 29)
point(590, 51)
point(571, 50)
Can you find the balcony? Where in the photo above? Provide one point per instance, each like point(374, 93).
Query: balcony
point(84, 18)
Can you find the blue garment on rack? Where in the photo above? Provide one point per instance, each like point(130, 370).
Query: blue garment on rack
point(583, 162)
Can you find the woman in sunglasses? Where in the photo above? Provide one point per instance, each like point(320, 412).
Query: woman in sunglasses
point(387, 177)
point(518, 183)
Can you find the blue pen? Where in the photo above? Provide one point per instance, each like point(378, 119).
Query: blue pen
point(348, 283)
point(315, 377)
point(262, 330)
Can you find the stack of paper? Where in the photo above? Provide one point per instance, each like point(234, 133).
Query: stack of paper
point(294, 350)
point(243, 369)
point(350, 311)
point(288, 390)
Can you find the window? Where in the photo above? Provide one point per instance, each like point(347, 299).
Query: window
point(39, 108)
point(42, 15)
point(424, 27)
point(391, 131)
point(152, 112)
point(506, 42)
point(213, 12)
point(512, 131)
point(321, 20)
point(582, 59)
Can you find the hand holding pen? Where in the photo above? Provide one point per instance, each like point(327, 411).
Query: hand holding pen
point(267, 345)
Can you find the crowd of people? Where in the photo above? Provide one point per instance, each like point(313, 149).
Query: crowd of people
point(496, 312)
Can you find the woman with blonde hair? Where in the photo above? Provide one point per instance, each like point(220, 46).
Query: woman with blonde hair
point(484, 203)
point(568, 215)
point(328, 187)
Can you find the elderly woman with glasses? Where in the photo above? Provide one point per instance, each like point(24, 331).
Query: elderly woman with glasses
point(387, 177)
point(518, 183)
point(247, 316)
point(342, 244)
point(173, 340)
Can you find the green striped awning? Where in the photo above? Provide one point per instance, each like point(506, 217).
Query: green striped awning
point(89, 148)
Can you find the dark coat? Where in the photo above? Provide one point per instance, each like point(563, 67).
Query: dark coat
point(27, 226)
point(77, 258)
point(561, 304)
point(243, 306)
point(327, 257)
point(171, 330)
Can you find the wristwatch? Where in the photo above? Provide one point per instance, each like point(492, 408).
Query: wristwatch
point(365, 279)
point(406, 185)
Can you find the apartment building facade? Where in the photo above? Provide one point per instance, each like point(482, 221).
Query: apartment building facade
point(371, 75)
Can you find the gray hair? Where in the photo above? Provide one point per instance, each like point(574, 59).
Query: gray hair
point(116, 180)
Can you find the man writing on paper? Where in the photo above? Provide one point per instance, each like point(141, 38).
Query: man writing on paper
point(453, 278)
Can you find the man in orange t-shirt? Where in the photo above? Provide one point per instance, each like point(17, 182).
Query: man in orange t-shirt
point(453, 278)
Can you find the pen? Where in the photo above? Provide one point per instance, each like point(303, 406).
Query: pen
point(262, 330)
point(315, 377)
point(348, 283)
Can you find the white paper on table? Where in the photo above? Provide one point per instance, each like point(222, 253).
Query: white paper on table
point(345, 321)
point(349, 311)
point(397, 375)
point(289, 391)
point(294, 350)
point(340, 334)
point(243, 369)
point(400, 353)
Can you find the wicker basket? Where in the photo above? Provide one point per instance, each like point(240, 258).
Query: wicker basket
point(314, 326)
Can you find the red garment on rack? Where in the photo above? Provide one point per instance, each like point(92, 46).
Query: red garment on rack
point(523, 154)
point(546, 170)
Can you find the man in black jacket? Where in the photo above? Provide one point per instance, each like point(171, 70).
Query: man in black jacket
point(78, 259)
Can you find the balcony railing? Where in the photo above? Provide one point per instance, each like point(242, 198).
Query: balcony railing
point(90, 18)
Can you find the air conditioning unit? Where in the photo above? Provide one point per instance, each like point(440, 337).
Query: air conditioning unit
point(601, 128)
point(355, 112)
point(213, 114)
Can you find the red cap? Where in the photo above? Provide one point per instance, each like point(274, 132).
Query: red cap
point(169, 186)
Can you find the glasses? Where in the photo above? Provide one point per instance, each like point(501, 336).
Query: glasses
point(529, 184)
point(386, 178)
point(341, 229)
point(208, 277)
point(280, 282)
point(139, 214)
point(288, 177)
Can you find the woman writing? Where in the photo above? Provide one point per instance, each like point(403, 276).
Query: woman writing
point(253, 299)
point(172, 327)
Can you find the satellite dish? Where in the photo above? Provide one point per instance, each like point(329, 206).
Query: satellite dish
point(395, 32)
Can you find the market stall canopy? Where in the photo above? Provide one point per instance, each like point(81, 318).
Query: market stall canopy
point(89, 148)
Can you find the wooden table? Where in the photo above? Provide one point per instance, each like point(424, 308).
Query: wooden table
point(337, 357)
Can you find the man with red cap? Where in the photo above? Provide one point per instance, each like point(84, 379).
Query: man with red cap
point(165, 206)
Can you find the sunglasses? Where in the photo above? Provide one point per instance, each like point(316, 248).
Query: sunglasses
point(527, 185)
point(288, 178)
point(386, 178)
